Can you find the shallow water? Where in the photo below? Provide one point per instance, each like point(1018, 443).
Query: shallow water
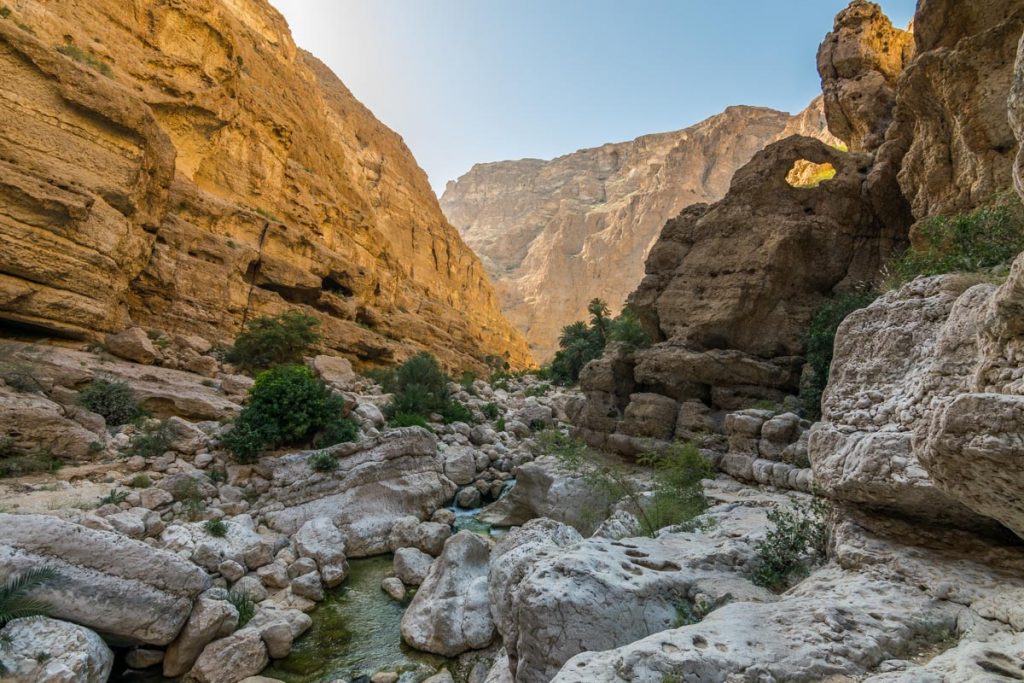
point(355, 633)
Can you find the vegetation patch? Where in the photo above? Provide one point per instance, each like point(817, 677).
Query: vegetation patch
point(286, 406)
point(15, 462)
point(113, 400)
point(989, 236)
point(322, 462)
point(79, 55)
point(342, 430)
point(796, 542)
point(245, 606)
point(216, 527)
point(150, 443)
point(16, 601)
point(581, 343)
point(270, 341)
point(820, 345)
point(419, 387)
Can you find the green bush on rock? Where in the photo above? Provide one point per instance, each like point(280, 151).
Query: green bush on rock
point(269, 341)
point(112, 399)
point(286, 406)
point(796, 541)
point(581, 343)
point(419, 388)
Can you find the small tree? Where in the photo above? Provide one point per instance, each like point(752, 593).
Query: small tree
point(599, 313)
point(795, 543)
point(269, 341)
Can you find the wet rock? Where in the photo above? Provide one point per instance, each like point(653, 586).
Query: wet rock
point(308, 586)
point(394, 588)
point(412, 565)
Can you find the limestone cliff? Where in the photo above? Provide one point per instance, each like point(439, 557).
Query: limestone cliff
point(554, 234)
point(184, 166)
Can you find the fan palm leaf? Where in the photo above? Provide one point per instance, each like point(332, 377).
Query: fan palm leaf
point(16, 600)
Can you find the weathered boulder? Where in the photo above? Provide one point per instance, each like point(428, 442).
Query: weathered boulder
point(600, 594)
point(33, 422)
point(834, 623)
point(211, 618)
point(859, 63)
point(133, 344)
point(378, 481)
point(450, 613)
point(412, 565)
point(544, 489)
point(320, 540)
point(240, 543)
point(73, 654)
point(428, 537)
point(126, 590)
point(460, 464)
point(997, 658)
point(334, 370)
point(231, 659)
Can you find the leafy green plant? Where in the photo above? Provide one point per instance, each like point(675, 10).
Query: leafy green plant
point(466, 382)
point(140, 481)
point(499, 424)
point(989, 236)
point(216, 527)
point(76, 53)
point(217, 475)
point(419, 386)
point(150, 443)
point(409, 420)
point(16, 601)
point(113, 400)
point(286, 406)
point(490, 410)
point(322, 462)
point(454, 411)
point(16, 463)
point(245, 606)
point(342, 430)
point(820, 344)
point(796, 542)
point(270, 341)
point(581, 343)
point(385, 377)
point(678, 495)
point(115, 497)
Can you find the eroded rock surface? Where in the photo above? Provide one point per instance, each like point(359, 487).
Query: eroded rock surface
point(69, 653)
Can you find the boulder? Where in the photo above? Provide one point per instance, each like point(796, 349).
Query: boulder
point(544, 489)
point(834, 624)
point(231, 659)
point(450, 613)
point(460, 464)
point(308, 586)
point(334, 370)
point(33, 422)
point(412, 565)
point(133, 344)
point(394, 588)
point(999, 657)
point(74, 654)
point(211, 618)
point(377, 482)
point(320, 540)
point(122, 588)
point(426, 536)
point(240, 543)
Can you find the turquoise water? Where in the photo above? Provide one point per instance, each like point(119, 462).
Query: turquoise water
point(355, 633)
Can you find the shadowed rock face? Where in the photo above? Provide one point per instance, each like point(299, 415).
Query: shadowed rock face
point(554, 234)
point(184, 166)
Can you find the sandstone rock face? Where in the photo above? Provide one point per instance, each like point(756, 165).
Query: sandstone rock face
point(124, 589)
point(199, 170)
point(377, 482)
point(554, 234)
point(450, 613)
point(860, 62)
point(950, 139)
point(731, 288)
point(74, 653)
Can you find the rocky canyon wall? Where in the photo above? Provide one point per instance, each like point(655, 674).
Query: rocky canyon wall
point(555, 234)
point(184, 166)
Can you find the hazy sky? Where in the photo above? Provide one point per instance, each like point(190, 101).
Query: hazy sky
point(465, 81)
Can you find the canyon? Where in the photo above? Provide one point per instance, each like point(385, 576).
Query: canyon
point(683, 513)
point(555, 234)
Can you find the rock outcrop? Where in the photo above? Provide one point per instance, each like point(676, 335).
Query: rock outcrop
point(377, 482)
point(554, 234)
point(51, 651)
point(186, 167)
point(124, 589)
point(860, 62)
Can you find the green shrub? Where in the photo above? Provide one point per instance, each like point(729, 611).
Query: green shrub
point(286, 406)
point(245, 606)
point(269, 341)
point(112, 399)
point(115, 497)
point(989, 236)
point(580, 343)
point(796, 542)
point(490, 410)
point(820, 344)
point(409, 420)
point(499, 425)
point(15, 462)
point(16, 601)
point(466, 382)
point(217, 476)
point(5, 11)
point(627, 330)
point(420, 386)
point(150, 443)
point(140, 481)
point(322, 462)
point(216, 527)
point(79, 55)
point(385, 377)
point(454, 411)
point(342, 430)
point(678, 495)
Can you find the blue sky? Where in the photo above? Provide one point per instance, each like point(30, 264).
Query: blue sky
point(465, 81)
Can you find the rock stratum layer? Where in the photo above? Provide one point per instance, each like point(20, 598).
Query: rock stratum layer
point(554, 234)
point(183, 166)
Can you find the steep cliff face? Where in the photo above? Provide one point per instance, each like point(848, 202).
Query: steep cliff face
point(184, 166)
point(555, 234)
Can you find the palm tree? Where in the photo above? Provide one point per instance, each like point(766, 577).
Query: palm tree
point(600, 312)
point(15, 595)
